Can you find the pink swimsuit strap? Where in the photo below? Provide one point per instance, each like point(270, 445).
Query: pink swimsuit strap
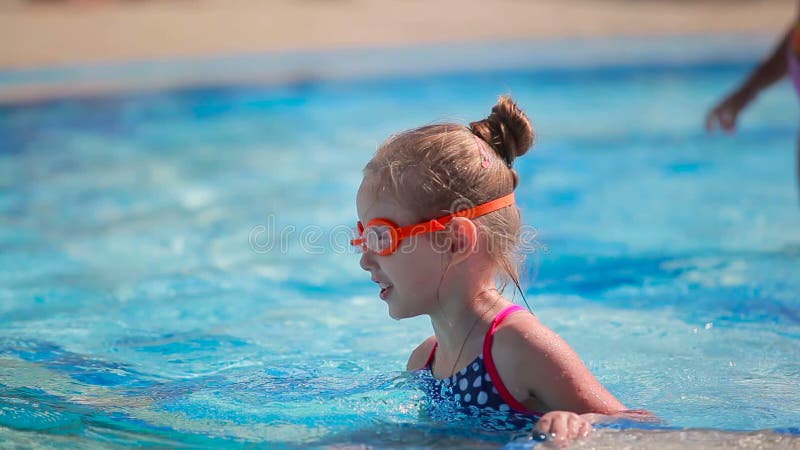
point(488, 361)
point(489, 334)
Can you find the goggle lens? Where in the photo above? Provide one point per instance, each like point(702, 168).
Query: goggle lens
point(378, 238)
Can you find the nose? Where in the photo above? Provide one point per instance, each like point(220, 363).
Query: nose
point(367, 261)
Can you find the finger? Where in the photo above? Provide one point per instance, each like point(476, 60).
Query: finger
point(728, 121)
point(710, 120)
point(641, 415)
point(544, 424)
point(575, 423)
point(560, 428)
point(585, 429)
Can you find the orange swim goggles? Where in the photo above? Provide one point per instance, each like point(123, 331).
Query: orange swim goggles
point(383, 236)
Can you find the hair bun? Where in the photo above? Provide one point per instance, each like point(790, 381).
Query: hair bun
point(507, 129)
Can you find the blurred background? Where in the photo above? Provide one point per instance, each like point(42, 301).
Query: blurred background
point(41, 33)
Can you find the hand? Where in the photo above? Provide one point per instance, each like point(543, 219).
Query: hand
point(724, 115)
point(639, 415)
point(563, 426)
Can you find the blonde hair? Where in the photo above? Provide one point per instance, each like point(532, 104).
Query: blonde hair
point(443, 168)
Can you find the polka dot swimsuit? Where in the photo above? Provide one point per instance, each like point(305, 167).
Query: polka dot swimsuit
point(473, 386)
point(479, 384)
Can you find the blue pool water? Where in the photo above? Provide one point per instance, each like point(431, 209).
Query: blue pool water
point(172, 267)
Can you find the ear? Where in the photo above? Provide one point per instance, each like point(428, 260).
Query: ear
point(463, 239)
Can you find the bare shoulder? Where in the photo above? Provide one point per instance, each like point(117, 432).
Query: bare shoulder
point(419, 357)
point(526, 345)
point(523, 335)
point(537, 363)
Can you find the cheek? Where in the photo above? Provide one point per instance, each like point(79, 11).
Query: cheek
point(431, 247)
point(419, 264)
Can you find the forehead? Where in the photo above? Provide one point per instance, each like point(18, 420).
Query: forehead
point(372, 203)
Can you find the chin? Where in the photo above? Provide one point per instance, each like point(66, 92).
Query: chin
point(396, 315)
point(399, 313)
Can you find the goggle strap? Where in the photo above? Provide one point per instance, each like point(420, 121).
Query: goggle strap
point(441, 222)
point(485, 208)
point(470, 213)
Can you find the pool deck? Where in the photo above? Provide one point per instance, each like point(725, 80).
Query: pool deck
point(35, 34)
point(91, 36)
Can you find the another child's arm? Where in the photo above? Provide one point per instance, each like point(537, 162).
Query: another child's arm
point(775, 67)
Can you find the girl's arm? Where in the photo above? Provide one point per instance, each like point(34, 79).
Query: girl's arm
point(772, 69)
point(539, 367)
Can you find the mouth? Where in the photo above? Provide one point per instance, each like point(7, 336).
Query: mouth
point(385, 288)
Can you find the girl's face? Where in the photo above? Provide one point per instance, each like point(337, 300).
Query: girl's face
point(410, 277)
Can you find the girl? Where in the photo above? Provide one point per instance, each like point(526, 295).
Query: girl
point(437, 225)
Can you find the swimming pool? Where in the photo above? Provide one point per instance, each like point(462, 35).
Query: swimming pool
point(173, 269)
